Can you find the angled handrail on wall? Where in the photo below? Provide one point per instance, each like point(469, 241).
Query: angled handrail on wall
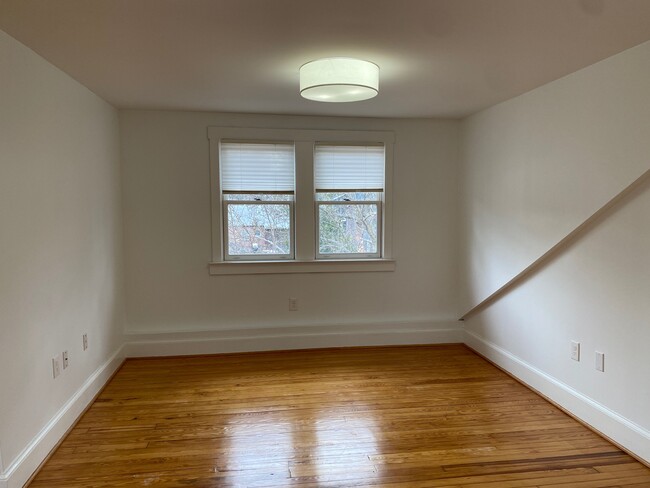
point(561, 245)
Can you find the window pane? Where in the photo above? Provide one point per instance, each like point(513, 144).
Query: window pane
point(354, 196)
point(347, 229)
point(259, 229)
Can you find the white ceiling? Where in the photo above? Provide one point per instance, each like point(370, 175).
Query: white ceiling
point(438, 58)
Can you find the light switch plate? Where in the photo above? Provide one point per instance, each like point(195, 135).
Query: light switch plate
point(575, 350)
point(600, 361)
point(56, 366)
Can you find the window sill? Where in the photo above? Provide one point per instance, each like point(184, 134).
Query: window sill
point(284, 267)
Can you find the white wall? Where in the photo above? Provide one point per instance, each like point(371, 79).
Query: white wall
point(60, 241)
point(533, 168)
point(167, 233)
point(537, 165)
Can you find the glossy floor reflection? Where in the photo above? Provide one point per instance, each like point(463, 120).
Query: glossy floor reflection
point(425, 416)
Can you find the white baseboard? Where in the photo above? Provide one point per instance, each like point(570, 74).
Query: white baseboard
point(142, 344)
point(624, 432)
point(26, 463)
point(211, 342)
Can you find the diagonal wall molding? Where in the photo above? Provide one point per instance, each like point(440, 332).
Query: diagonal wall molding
point(563, 244)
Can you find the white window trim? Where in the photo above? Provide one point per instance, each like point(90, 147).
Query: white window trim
point(305, 225)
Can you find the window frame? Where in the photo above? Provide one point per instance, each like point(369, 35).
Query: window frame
point(304, 223)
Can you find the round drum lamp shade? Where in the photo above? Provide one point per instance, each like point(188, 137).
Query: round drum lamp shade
point(339, 80)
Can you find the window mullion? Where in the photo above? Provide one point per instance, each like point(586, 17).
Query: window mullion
point(305, 237)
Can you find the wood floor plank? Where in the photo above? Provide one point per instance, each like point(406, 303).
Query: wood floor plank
point(390, 417)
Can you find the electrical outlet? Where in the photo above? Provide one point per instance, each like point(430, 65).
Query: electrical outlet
point(575, 350)
point(85, 341)
point(56, 366)
point(293, 304)
point(64, 355)
point(600, 361)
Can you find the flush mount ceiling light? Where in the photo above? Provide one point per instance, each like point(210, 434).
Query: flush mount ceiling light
point(339, 80)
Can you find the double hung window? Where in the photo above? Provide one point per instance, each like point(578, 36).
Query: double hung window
point(318, 199)
point(258, 186)
point(349, 184)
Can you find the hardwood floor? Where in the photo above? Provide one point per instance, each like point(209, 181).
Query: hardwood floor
point(425, 416)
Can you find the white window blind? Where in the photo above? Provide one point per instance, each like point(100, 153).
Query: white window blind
point(348, 167)
point(249, 167)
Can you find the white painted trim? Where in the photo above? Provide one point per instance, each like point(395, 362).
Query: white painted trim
point(387, 212)
point(143, 344)
point(304, 140)
point(305, 228)
point(623, 431)
point(283, 267)
point(321, 135)
point(216, 215)
point(21, 468)
point(561, 245)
